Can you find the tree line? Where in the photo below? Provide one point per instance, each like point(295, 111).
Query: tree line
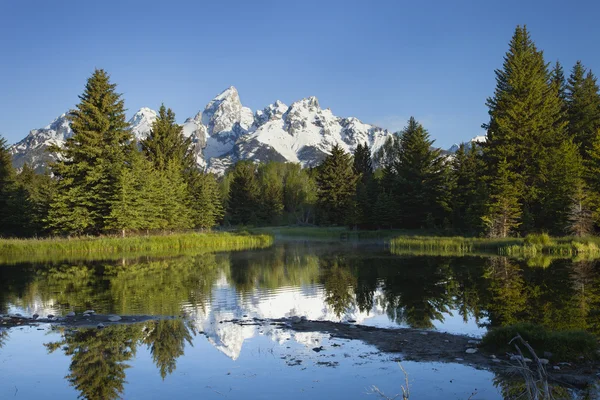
point(538, 170)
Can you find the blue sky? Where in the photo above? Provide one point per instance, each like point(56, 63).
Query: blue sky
point(380, 61)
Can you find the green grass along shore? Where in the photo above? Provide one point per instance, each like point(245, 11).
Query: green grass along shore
point(216, 241)
point(530, 246)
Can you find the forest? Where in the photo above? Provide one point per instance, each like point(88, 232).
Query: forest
point(537, 171)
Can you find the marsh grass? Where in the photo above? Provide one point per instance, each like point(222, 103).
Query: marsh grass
point(101, 246)
point(528, 247)
point(568, 345)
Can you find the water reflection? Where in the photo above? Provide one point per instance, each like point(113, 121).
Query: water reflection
point(99, 356)
point(320, 282)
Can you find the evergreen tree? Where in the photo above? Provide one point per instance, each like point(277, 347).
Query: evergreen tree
point(503, 208)
point(244, 194)
point(92, 159)
point(592, 178)
point(7, 188)
point(468, 195)
point(207, 207)
point(580, 219)
point(422, 179)
point(166, 142)
point(583, 102)
point(172, 198)
point(299, 194)
point(525, 126)
point(270, 180)
point(132, 203)
point(366, 187)
point(562, 176)
point(32, 201)
point(336, 186)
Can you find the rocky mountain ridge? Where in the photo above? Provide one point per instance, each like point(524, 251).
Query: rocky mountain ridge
point(226, 131)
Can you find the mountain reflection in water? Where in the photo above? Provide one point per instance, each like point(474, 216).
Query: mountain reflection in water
point(366, 284)
point(320, 282)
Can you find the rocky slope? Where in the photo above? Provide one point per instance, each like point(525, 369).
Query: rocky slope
point(226, 131)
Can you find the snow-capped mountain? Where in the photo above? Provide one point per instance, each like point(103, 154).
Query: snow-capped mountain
point(226, 131)
point(476, 139)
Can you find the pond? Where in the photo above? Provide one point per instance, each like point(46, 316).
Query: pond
point(215, 348)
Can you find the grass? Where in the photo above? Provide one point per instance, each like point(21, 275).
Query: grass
point(569, 345)
point(530, 246)
point(87, 246)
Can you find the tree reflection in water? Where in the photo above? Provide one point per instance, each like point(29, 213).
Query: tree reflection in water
point(418, 291)
point(99, 356)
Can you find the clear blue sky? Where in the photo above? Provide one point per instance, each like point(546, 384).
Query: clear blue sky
point(381, 61)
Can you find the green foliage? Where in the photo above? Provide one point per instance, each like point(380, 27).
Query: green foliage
point(564, 345)
point(7, 188)
point(503, 207)
point(165, 143)
point(421, 180)
point(525, 135)
point(206, 202)
point(469, 191)
point(91, 160)
point(336, 188)
point(583, 109)
point(541, 239)
point(244, 194)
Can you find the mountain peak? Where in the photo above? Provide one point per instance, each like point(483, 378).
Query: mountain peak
point(230, 92)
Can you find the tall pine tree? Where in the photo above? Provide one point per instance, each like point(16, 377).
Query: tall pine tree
point(583, 102)
point(422, 180)
point(336, 186)
point(526, 127)
point(91, 161)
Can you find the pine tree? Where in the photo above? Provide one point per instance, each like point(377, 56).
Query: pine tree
point(366, 187)
point(133, 206)
point(299, 194)
point(469, 192)
point(32, 201)
point(270, 180)
point(592, 178)
point(580, 218)
point(336, 187)
point(173, 197)
point(207, 207)
point(7, 188)
point(503, 208)
point(244, 192)
point(92, 159)
point(166, 142)
point(525, 125)
point(583, 102)
point(562, 175)
point(421, 179)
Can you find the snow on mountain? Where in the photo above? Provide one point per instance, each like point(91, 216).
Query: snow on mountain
point(476, 139)
point(34, 148)
point(306, 301)
point(141, 122)
point(225, 131)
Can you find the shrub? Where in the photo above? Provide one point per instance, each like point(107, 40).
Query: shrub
point(538, 239)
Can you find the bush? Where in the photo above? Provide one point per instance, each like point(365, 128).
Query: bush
point(564, 345)
point(538, 239)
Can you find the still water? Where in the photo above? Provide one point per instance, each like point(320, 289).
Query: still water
point(202, 355)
